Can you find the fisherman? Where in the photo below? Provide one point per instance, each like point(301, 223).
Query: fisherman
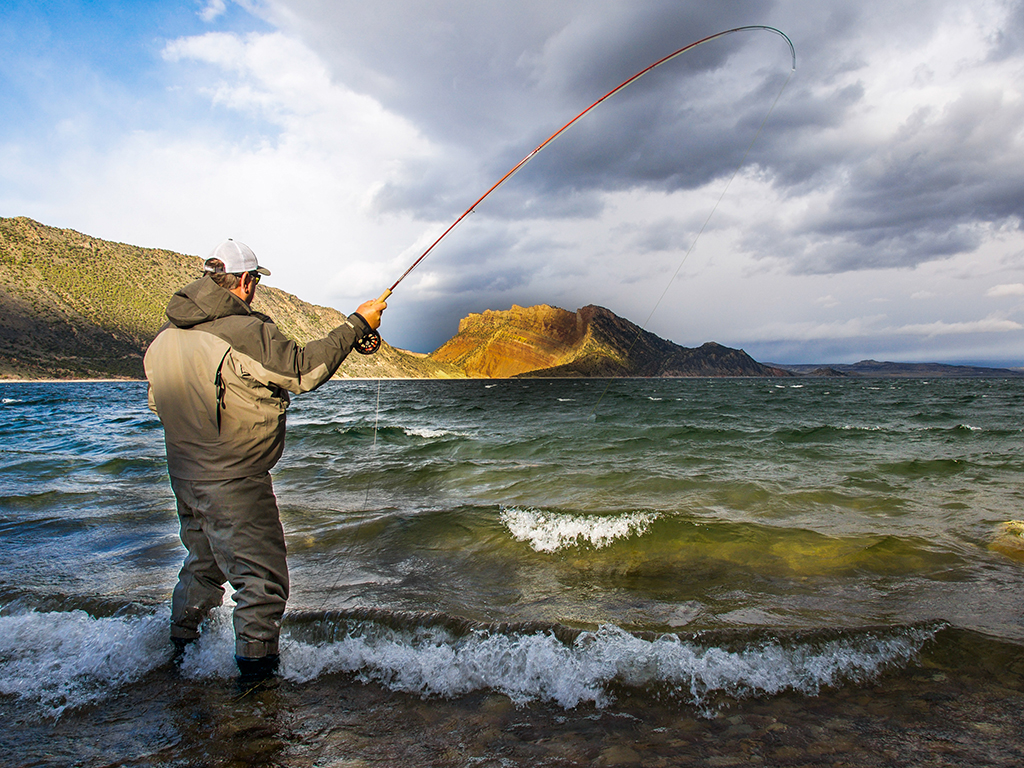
point(219, 376)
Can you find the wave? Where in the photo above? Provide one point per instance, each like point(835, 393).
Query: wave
point(432, 433)
point(67, 659)
point(339, 435)
point(64, 660)
point(551, 531)
point(539, 666)
point(923, 468)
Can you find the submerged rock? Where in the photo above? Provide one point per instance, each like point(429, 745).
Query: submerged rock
point(1009, 540)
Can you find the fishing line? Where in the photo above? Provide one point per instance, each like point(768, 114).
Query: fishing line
point(373, 447)
point(366, 498)
point(371, 342)
point(641, 328)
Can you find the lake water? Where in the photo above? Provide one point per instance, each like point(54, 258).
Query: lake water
point(660, 572)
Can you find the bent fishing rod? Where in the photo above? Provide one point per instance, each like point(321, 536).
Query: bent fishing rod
point(371, 342)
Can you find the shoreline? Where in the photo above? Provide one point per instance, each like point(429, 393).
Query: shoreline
point(67, 381)
point(997, 374)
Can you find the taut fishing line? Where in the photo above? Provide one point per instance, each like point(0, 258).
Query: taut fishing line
point(372, 341)
point(641, 328)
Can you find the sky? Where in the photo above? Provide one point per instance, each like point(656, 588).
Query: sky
point(866, 205)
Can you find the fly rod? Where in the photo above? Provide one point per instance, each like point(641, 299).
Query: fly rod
point(371, 342)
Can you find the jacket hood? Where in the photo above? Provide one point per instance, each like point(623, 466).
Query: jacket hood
point(202, 301)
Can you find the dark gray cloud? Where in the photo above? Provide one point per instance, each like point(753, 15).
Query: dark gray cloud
point(934, 190)
point(492, 84)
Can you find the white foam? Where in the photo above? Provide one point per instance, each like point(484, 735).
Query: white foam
point(63, 660)
point(431, 434)
point(551, 531)
point(213, 655)
point(67, 659)
point(432, 662)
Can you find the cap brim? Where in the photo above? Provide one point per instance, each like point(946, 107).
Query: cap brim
point(263, 270)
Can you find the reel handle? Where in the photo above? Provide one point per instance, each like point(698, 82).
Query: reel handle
point(371, 342)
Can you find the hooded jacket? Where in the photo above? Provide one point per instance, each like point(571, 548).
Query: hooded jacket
point(219, 376)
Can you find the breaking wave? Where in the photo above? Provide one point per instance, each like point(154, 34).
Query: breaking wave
point(63, 659)
point(69, 659)
point(552, 531)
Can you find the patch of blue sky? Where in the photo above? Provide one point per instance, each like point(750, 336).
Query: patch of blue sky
point(96, 70)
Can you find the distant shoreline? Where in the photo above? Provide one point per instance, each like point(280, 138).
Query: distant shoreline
point(67, 381)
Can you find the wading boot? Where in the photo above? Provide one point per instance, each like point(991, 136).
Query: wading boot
point(253, 671)
point(181, 644)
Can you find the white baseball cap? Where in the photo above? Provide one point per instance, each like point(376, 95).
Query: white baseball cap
point(237, 258)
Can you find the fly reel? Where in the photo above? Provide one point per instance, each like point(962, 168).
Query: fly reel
point(369, 344)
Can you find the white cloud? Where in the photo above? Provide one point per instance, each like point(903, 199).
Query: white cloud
point(877, 326)
point(1008, 289)
point(213, 10)
point(297, 184)
point(943, 328)
point(852, 328)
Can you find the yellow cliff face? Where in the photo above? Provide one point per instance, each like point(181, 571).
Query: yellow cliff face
point(549, 342)
point(499, 344)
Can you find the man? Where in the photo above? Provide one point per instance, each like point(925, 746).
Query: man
point(219, 377)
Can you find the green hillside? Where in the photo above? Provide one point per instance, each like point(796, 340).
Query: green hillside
point(74, 306)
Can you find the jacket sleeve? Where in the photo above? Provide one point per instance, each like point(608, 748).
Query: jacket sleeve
point(274, 359)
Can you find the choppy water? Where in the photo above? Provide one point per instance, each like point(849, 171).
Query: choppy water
point(662, 551)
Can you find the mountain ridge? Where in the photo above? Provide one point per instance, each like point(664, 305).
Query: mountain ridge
point(76, 307)
point(550, 342)
point(890, 370)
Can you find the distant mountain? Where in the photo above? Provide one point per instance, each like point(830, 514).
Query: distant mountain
point(873, 368)
point(548, 342)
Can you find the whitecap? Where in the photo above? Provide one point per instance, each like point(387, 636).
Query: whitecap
point(431, 433)
point(551, 531)
point(65, 660)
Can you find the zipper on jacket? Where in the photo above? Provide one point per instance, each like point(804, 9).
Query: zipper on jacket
point(221, 390)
